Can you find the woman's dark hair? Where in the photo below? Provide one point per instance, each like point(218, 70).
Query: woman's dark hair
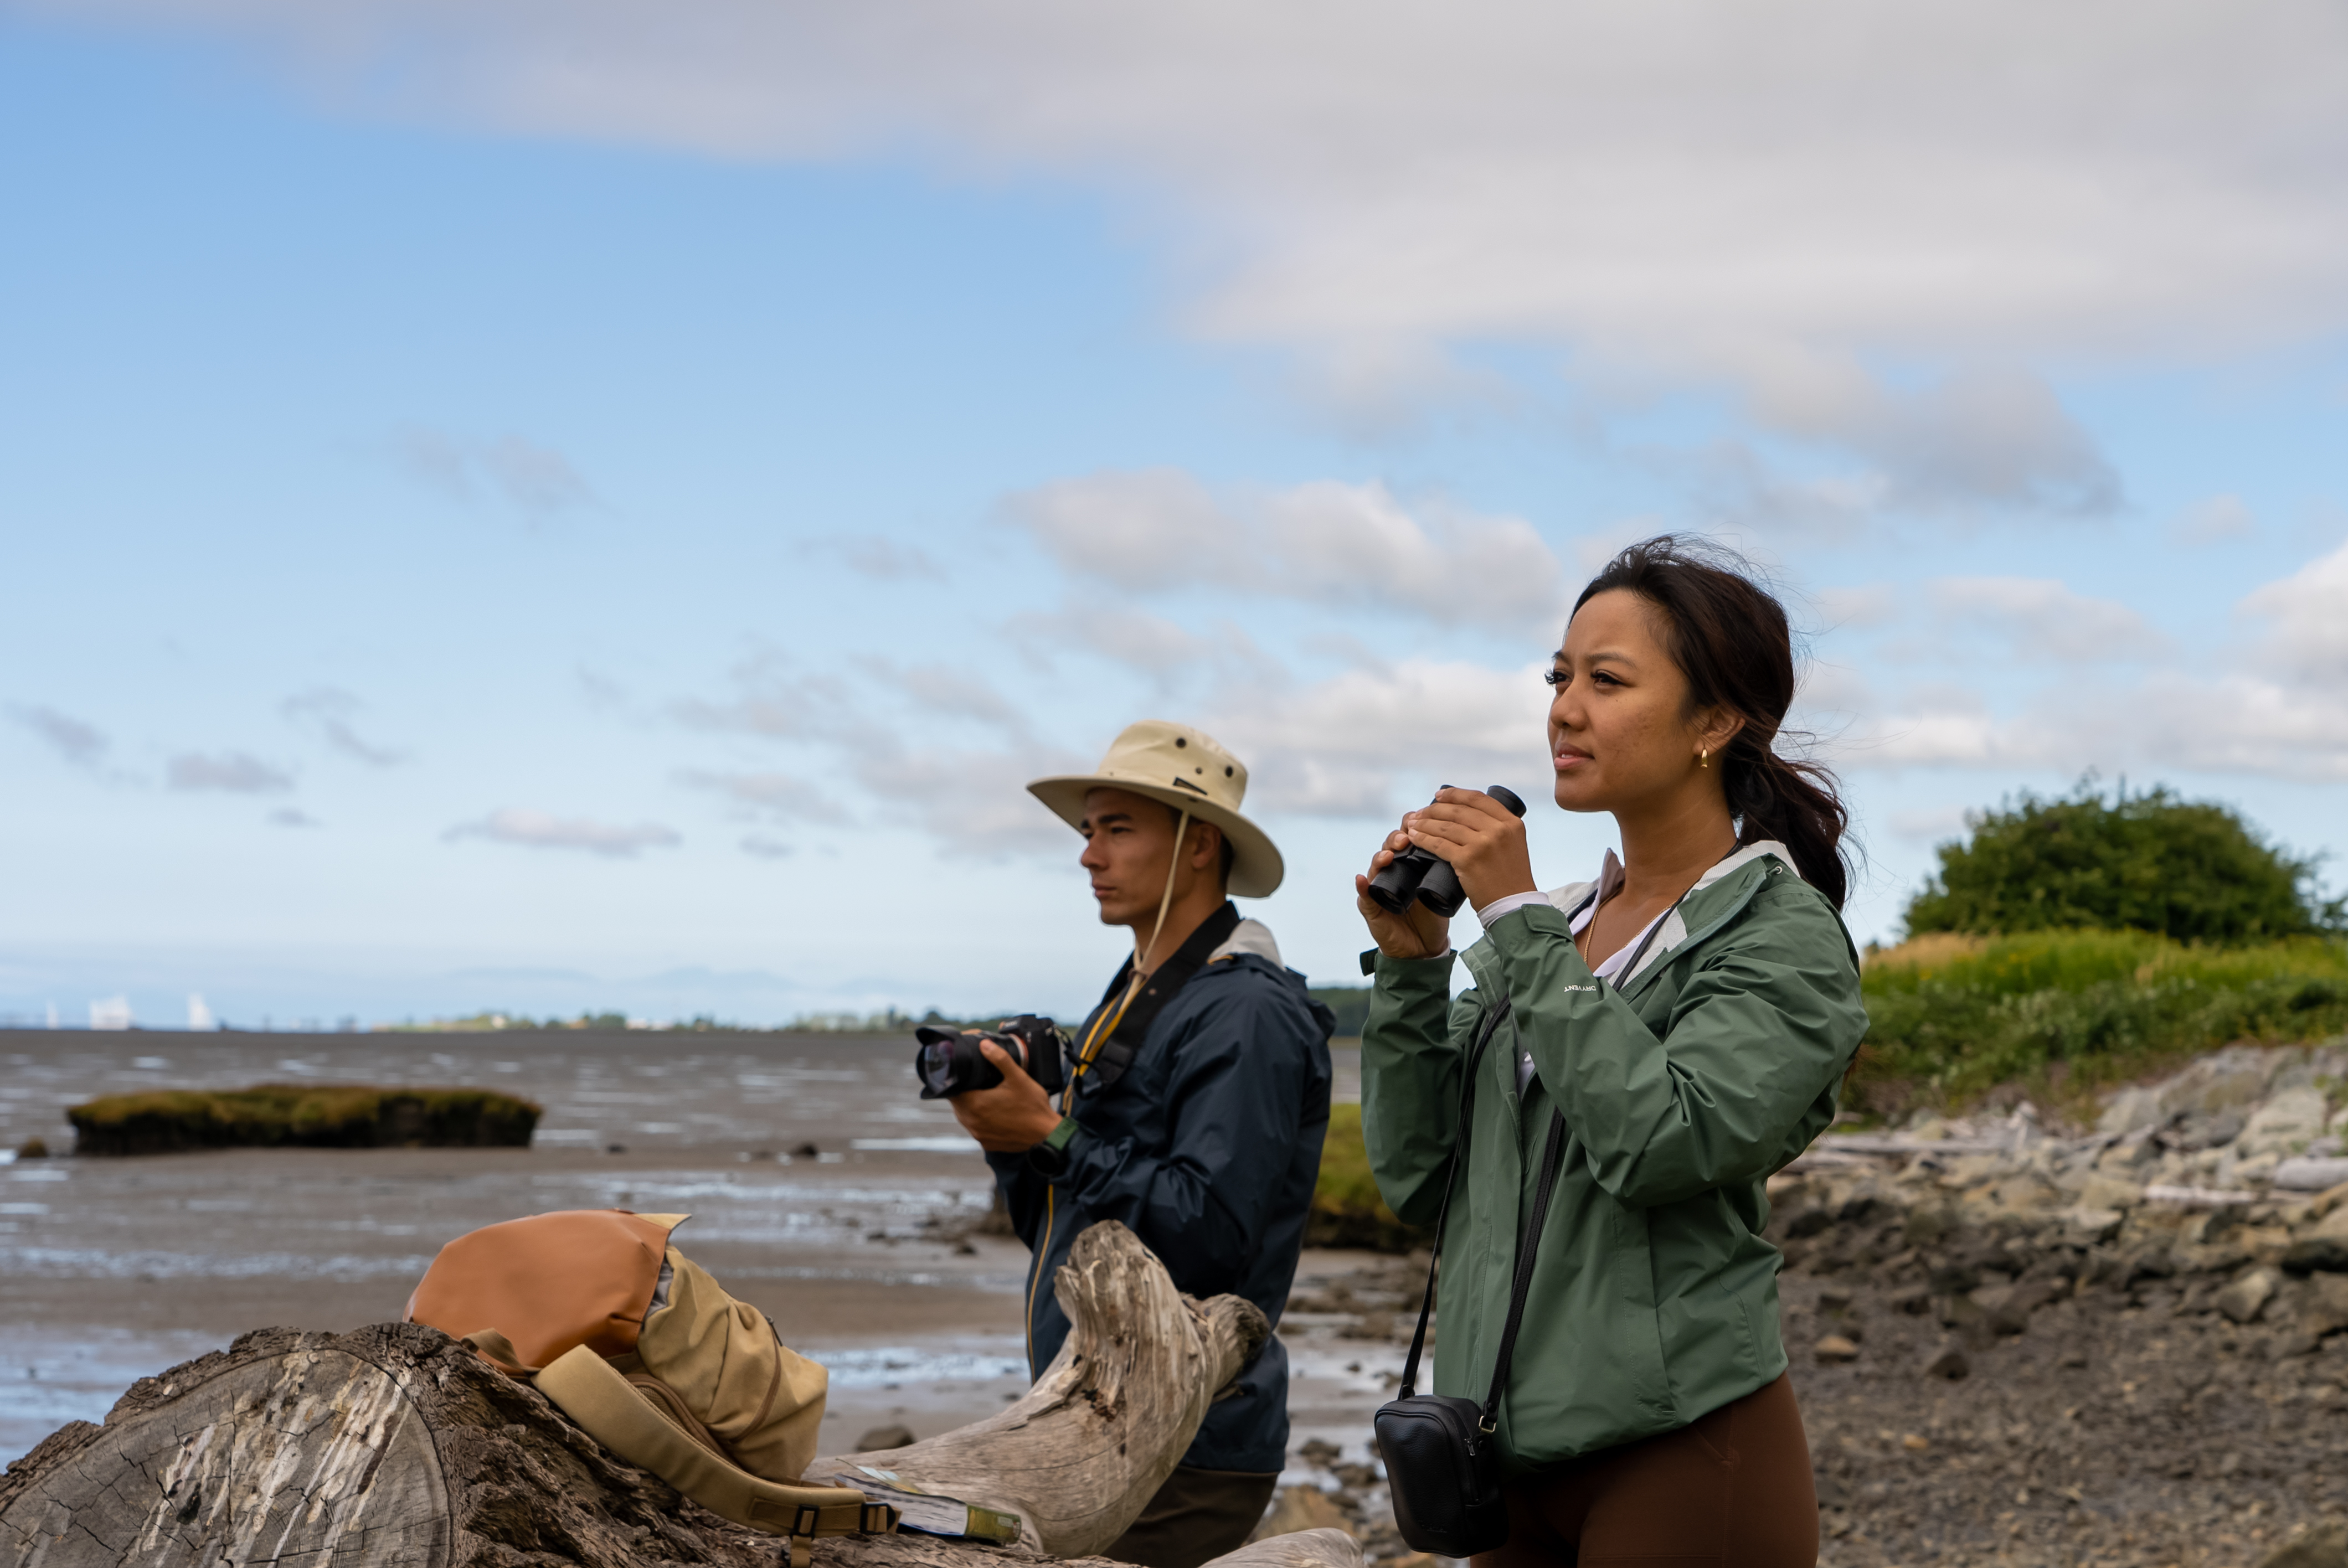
point(1730, 638)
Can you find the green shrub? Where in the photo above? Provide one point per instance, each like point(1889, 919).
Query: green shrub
point(1347, 1209)
point(1957, 1016)
point(2191, 870)
point(307, 1115)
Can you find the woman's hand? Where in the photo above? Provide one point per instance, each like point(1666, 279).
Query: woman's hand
point(1484, 841)
point(1416, 933)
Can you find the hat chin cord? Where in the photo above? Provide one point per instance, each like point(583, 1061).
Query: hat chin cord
point(1166, 899)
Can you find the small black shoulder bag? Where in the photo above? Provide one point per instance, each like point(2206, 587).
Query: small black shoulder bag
point(1441, 1453)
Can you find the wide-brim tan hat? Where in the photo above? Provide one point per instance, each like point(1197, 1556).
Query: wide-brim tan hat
point(1189, 771)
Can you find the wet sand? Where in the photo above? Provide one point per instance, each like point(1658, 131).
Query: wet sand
point(114, 1268)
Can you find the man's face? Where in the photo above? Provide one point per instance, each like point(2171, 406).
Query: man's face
point(1128, 841)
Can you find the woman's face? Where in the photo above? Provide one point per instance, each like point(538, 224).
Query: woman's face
point(1619, 733)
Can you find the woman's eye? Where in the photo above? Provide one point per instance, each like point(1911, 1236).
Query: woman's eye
point(1555, 677)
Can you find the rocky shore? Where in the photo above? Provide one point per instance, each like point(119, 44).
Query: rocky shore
point(2019, 1344)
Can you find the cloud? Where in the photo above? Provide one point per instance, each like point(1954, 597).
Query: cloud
point(542, 830)
point(1339, 747)
point(1977, 437)
point(233, 773)
point(2038, 618)
point(2278, 707)
point(766, 848)
point(328, 713)
point(2306, 618)
point(291, 816)
point(885, 561)
point(1857, 608)
point(1934, 822)
point(968, 793)
point(2213, 521)
point(1325, 542)
point(1697, 181)
point(536, 479)
point(784, 796)
point(84, 745)
point(2284, 710)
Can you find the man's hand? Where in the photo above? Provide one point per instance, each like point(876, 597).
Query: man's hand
point(1011, 1118)
point(1484, 841)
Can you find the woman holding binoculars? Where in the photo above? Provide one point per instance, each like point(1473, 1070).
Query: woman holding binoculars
point(1657, 1042)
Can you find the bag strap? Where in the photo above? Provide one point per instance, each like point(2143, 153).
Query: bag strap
point(1450, 1183)
point(1528, 1250)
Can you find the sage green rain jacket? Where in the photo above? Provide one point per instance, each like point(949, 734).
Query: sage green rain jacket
point(1654, 1298)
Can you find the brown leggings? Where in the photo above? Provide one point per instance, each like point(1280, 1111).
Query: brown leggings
point(1731, 1491)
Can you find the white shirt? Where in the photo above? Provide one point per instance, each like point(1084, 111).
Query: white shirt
point(1585, 900)
point(1610, 882)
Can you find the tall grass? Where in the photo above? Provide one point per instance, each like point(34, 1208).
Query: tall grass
point(1952, 1017)
point(1347, 1209)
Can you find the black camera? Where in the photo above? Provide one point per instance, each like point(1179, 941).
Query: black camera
point(1421, 874)
point(950, 1062)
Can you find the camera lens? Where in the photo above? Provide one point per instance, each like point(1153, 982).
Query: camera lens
point(949, 1061)
point(935, 1063)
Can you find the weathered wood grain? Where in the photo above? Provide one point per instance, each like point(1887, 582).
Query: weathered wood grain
point(1079, 1456)
point(397, 1446)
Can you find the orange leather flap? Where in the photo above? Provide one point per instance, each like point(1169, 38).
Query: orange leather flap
point(549, 1283)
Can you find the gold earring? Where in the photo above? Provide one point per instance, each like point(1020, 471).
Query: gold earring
point(1703, 757)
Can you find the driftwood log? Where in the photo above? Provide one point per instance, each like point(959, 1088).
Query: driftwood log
point(397, 1446)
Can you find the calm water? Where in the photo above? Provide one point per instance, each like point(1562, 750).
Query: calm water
point(114, 1268)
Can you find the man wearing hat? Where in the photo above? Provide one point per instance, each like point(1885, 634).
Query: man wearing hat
point(1195, 1107)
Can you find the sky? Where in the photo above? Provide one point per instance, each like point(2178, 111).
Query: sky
point(598, 505)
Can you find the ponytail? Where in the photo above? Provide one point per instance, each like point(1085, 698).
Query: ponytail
point(1730, 637)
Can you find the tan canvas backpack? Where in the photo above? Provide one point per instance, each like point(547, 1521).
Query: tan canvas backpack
point(637, 1343)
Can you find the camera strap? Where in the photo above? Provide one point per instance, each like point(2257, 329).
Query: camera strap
point(1114, 1037)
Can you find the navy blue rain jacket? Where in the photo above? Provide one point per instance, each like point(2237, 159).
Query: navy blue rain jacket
point(1207, 1149)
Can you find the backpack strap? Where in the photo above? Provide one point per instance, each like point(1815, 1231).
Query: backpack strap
point(615, 1413)
point(1108, 1059)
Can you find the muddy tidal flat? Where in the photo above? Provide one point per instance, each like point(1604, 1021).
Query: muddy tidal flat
point(823, 1190)
point(2121, 1400)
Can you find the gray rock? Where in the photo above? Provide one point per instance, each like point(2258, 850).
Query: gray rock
point(2285, 1124)
point(1949, 1362)
point(2243, 1300)
point(2085, 1226)
point(888, 1437)
point(2311, 1172)
point(1833, 1350)
point(2325, 1310)
point(2311, 1546)
point(2237, 1075)
point(2322, 1246)
point(2132, 1111)
point(2102, 1192)
point(2195, 1131)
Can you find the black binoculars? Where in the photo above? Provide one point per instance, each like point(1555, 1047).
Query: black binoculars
point(1418, 874)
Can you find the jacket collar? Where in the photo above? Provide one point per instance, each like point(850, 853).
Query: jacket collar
point(1716, 897)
